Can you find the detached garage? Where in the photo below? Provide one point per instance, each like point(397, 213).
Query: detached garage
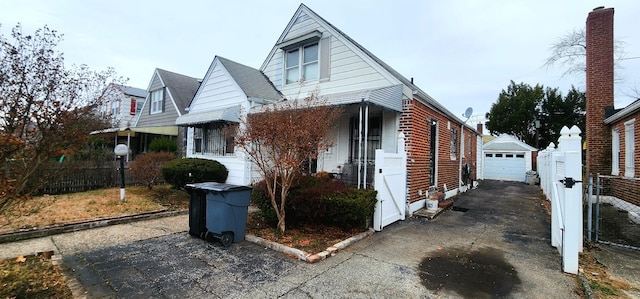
point(507, 158)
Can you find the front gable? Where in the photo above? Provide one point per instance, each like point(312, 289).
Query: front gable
point(342, 65)
point(168, 113)
point(217, 91)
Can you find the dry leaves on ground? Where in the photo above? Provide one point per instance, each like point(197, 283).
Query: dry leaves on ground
point(311, 238)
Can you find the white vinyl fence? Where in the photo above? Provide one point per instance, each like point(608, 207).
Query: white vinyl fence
point(560, 171)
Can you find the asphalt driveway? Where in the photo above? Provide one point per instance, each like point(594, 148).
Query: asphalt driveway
point(493, 244)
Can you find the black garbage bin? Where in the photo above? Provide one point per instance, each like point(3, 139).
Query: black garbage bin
point(197, 212)
point(226, 210)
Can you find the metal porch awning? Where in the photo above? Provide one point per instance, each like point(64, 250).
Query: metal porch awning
point(226, 114)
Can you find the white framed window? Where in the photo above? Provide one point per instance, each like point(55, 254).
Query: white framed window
point(301, 64)
point(214, 139)
point(157, 101)
point(615, 152)
point(629, 148)
point(454, 144)
point(115, 107)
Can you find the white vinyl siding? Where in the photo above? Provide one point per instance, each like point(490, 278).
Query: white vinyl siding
point(615, 152)
point(218, 91)
point(347, 70)
point(629, 148)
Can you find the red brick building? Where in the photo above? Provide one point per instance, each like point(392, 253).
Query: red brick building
point(612, 135)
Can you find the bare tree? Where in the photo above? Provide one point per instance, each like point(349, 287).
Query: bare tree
point(570, 52)
point(46, 109)
point(281, 138)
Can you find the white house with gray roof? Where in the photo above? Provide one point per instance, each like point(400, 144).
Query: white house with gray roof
point(227, 89)
point(382, 110)
point(122, 104)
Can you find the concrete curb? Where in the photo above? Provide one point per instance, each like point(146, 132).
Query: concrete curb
point(585, 285)
point(304, 256)
point(84, 225)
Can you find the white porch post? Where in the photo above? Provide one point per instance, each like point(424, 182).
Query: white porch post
point(366, 145)
point(360, 147)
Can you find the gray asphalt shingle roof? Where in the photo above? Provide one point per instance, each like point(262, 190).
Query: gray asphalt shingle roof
point(429, 101)
point(181, 87)
point(252, 81)
point(133, 91)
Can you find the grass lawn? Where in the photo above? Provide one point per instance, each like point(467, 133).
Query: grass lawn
point(47, 210)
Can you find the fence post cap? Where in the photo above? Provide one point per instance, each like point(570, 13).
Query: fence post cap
point(575, 130)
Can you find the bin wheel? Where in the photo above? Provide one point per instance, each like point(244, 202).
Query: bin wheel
point(226, 239)
point(209, 236)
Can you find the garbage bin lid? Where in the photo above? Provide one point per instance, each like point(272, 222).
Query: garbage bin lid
point(213, 186)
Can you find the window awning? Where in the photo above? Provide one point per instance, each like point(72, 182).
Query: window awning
point(226, 114)
point(168, 130)
point(295, 42)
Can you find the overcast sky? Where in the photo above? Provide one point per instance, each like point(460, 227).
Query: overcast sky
point(462, 53)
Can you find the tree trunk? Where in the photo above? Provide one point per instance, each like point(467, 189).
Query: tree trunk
point(281, 225)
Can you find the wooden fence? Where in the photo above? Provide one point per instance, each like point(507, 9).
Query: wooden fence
point(78, 179)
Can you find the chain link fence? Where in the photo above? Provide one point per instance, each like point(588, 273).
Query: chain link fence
point(612, 213)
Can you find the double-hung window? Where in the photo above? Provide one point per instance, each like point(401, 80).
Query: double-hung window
point(301, 64)
point(156, 101)
point(629, 148)
point(115, 106)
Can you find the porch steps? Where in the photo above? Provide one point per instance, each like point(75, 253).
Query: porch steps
point(429, 214)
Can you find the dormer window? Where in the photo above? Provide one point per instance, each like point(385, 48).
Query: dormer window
point(301, 64)
point(301, 57)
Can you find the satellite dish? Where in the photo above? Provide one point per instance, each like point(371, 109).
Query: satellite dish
point(468, 112)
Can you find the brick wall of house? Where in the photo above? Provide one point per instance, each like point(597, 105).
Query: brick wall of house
point(626, 189)
point(599, 67)
point(415, 122)
point(622, 187)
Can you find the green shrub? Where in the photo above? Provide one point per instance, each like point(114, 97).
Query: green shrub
point(180, 172)
point(324, 201)
point(163, 145)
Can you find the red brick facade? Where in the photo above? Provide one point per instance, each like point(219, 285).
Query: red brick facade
point(622, 187)
point(415, 122)
point(599, 89)
point(600, 96)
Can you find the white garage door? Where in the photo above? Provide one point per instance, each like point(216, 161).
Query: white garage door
point(505, 166)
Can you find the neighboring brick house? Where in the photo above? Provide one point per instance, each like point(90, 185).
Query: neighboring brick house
point(379, 107)
point(613, 136)
point(169, 95)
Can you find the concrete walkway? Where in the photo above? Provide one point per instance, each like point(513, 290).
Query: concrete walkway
point(495, 243)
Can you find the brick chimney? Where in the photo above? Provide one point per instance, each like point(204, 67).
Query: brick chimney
point(599, 69)
point(479, 128)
